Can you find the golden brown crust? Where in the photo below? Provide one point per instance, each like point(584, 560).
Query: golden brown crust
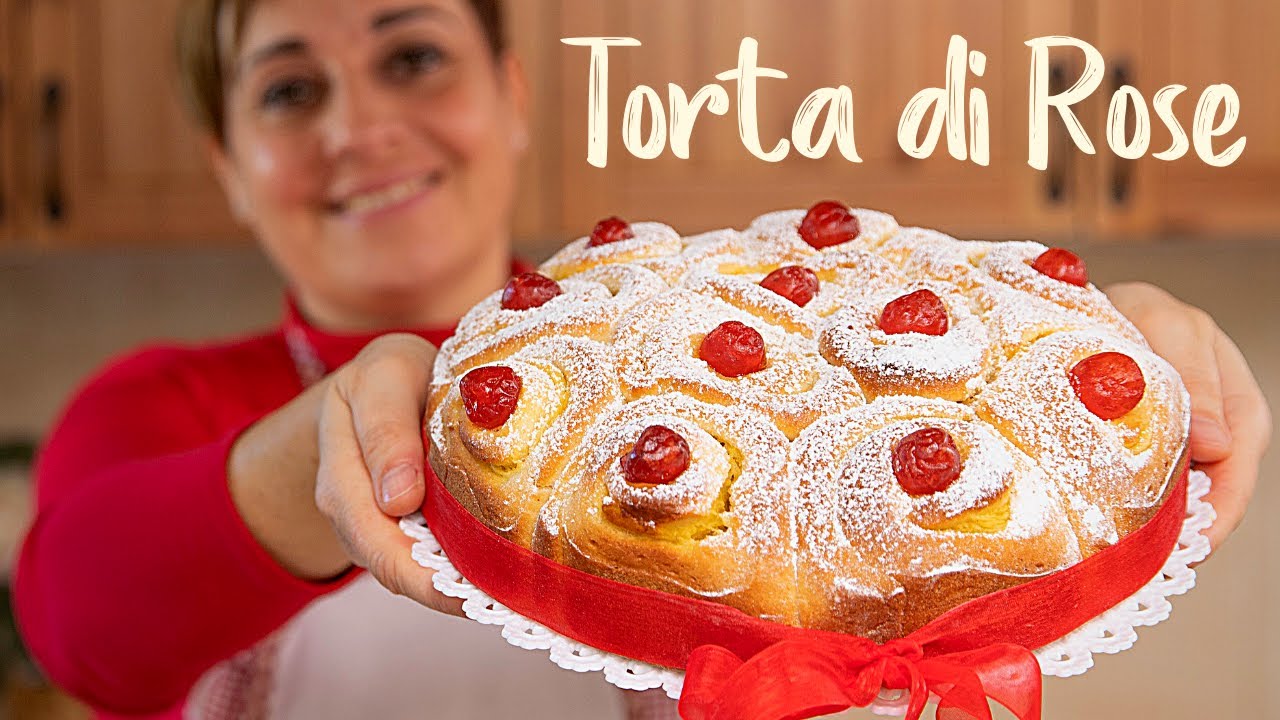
point(720, 530)
point(1112, 473)
point(790, 509)
point(504, 476)
point(864, 540)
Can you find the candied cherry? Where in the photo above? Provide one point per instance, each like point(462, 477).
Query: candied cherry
point(659, 456)
point(1062, 265)
point(920, 312)
point(1109, 384)
point(795, 283)
point(610, 230)
point(529, 290)
point(490, 394)
point(926, 461)
point(733, 349)
point(829, 223)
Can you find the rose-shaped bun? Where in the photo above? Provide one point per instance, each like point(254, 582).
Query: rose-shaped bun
point(718, 530)
point(502, 475)
point(1113, 473)
point(880, 555)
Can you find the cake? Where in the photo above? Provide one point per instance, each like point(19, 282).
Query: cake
point(824, 420)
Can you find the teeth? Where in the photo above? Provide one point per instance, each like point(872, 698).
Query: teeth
point(370, 202)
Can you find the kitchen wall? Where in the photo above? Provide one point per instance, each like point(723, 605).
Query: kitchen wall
point(63, 314)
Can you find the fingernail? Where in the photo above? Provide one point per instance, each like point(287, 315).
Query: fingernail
point(1210, 432)
point(398, 481)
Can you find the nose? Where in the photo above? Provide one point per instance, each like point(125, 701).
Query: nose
point(363, 118)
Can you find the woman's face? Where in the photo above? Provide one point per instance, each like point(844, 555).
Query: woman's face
point(372, 146)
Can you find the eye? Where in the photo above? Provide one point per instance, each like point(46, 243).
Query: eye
point(410, 61)
point(291, 93)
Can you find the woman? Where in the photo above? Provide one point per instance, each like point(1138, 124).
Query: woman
point(194, 500)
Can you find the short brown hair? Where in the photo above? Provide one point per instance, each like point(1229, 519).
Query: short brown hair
point(200, 61)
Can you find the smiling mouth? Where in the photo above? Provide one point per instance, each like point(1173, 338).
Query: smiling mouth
point(370, 202)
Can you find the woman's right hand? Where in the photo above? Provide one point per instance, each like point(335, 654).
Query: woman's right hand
point(322, 481)
point(372, 460)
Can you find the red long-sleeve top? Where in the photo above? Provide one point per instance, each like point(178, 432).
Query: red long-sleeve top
point(138, 575)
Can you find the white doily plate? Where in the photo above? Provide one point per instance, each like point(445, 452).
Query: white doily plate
point(1111, 632)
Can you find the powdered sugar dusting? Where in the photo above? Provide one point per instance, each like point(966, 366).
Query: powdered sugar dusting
point(930, 253)
point(1098, 471)
point(693, 492)
point(565, 383)
point(953, 365)
point(590, 305)
point(543, 396)
point(661, 337)
point(782, 229)
point(790, 497)
point(844, 277)
point(861, 527)
point(731, 449)
point(1010, 263)
point(652, 240)
point(696, 249)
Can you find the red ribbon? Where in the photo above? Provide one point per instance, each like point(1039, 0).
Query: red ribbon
point(804, 678)
point(740, 667)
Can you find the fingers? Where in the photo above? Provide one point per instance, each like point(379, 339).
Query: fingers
point(371, 462)
point(1191, 350)
point(386, 390)
point(1245, 405)
point(1235, 477)
point(1186, 337)
point(370, 537)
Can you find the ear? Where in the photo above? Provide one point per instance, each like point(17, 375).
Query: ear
point(228, 177)
point(518, 92)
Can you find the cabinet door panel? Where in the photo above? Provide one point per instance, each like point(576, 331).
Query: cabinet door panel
point(1197, 44)
point(113, 143)
point(535, 38)
point(1234, 43)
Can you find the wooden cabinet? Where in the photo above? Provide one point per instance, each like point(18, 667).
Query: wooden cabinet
point(95, 149)
point(534, 29)
point(884, 51)
point(1153, 43)
point(113, 158)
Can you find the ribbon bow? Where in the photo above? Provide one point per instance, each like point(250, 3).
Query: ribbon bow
point(805, 677)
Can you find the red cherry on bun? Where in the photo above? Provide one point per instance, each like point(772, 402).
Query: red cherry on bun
point(926, 462)
point(829, 223)
point(610, 230)
point(490, 394)
point(733, 349)
point(1110, 384)
point(659, 456)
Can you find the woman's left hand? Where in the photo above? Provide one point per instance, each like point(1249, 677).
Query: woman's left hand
point(1230, 421)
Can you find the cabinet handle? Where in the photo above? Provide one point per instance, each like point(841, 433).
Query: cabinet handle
point(1055, 184)
point(1122, 170)
point(51, 191)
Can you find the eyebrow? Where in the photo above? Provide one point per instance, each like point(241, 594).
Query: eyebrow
point(296, 46)
point(392, 17)
point(280, 48)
